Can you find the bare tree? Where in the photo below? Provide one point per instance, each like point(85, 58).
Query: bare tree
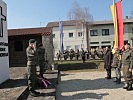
point(131, 14)
point(79, 13)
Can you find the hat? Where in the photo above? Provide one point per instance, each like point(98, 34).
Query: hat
point(32, 40)
point(127, 44)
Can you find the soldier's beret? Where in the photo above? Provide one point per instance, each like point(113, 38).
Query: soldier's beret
point(32, 40)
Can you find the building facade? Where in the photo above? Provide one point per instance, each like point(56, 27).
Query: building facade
point(19, 40)
point(78, 34)
point(74, 35)
point(101, 33)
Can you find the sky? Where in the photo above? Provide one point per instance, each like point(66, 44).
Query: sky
point(37, 13)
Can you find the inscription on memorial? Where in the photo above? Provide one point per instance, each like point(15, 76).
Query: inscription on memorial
point(3, 46)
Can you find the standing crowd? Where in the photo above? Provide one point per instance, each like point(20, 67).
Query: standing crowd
point(70, 54)
point(121, 60)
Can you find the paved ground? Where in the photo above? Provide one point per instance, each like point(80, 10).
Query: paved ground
point(90, 86)
point(11, 89)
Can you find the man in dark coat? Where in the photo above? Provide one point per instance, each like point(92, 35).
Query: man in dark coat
point(107, 62)
point(41, 59)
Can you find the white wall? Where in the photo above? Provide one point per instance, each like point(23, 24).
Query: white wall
point(127, 34)
point(69, 41)
point(4, 60)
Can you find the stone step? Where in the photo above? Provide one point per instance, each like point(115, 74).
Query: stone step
point(47, 93)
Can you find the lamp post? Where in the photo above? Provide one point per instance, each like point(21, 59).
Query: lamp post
point(82, 44)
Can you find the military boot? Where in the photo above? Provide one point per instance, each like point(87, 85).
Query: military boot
point(129, 87)
point(34, 93)
point(126, 86)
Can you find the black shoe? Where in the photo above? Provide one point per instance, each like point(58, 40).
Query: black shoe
point(34, 93)
point(37, 92)
point(129, 87)
point(118, 82)
point(108, 77)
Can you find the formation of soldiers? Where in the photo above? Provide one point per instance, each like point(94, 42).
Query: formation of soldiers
point(80, 54)
point(121, 60)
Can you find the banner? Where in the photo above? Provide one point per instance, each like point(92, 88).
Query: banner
point(114, 16)
point(116, 11)
point(120, 24)
point(61, 37)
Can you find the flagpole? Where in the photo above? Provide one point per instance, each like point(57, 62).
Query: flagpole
point(113, 2)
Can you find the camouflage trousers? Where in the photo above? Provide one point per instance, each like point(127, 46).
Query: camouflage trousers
point(31, 76)
point(127, 75)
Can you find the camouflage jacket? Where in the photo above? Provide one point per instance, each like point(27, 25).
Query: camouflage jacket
point(127, 58)
point(31, 56)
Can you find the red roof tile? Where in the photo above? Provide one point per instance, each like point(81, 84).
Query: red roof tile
point(27, 31)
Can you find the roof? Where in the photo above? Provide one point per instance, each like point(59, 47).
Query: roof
point(28, 31)
point(129, 20)
point(65, 23)
point(74, 22)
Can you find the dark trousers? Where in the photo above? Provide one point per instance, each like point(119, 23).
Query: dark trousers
point(108, 73)
point(83, 58)
point(42, 68)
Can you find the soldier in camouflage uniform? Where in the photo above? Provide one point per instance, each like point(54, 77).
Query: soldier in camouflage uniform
point(117, 65)
point(127, 58)
point(31, 66)
point(41, 59)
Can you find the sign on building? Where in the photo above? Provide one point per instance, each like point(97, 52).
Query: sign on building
point(4, 59)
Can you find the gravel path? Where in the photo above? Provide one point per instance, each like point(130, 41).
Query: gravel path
point(90, 86)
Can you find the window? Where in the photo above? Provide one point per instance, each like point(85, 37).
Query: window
point(105, 32)
point(93, 33)
point(104, 42)
point(80, 34)
point(53, 35)
point(70, 34)
point(77, 47)
point(94, 42)
point(18, 45)
point(68, 47)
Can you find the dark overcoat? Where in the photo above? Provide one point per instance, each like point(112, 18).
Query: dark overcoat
point(107, 59)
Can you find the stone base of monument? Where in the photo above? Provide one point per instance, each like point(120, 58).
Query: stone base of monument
point(48, 93)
